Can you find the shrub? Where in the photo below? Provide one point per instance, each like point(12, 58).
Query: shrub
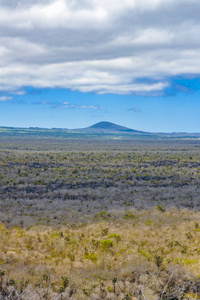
point(158, 260)
point(148, 222)
point(129, 215)
point(160, 208)
point(105, 244)
point(92, 256)
point(116, 236)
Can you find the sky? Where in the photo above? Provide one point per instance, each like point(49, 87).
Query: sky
point(73, 63)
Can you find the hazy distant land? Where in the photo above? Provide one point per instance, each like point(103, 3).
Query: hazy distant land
point(98, 130)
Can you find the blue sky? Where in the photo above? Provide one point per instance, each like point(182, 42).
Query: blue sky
point(175, 111)
point(71, 64)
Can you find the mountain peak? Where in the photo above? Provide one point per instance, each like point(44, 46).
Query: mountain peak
point(108, 127)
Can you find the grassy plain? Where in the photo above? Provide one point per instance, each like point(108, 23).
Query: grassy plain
point(99, 219)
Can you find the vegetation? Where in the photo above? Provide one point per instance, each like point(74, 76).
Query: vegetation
point(101, 130)
point(92, 220)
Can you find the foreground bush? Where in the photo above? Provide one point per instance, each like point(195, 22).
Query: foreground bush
point(121, 258)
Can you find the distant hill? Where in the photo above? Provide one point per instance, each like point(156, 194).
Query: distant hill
point(99, 130)
point(108, 127)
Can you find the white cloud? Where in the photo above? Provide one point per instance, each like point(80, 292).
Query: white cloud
point(5, 98)
point(71, 105)
point(18, 93)
point(153, 37)
point(102, 46)
point(125, 89)
point(54, 14)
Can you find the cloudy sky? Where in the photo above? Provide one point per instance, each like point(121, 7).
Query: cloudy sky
point(72, 63)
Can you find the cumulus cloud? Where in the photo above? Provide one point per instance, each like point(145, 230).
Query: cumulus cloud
point(102, 46)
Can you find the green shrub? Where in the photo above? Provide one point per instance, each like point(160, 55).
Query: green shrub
point(92, 256)
point(158, 260)
point(105, 231)
point(160, 208)
point(129, 215)
point(11, 282)
point(105, 244)
point(116, 236)
point(148, 222)
point(65, 281)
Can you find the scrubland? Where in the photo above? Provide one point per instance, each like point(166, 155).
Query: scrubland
point(99, 219)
